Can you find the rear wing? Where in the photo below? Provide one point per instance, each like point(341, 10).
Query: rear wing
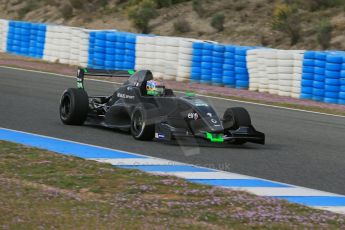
point(82, 72)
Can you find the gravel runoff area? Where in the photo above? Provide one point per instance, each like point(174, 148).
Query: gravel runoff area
point(231, 93)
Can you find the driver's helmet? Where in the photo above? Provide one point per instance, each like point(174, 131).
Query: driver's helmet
point(154, 88)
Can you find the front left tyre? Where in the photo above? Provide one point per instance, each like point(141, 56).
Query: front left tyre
point(74, 106)
point(140, 129)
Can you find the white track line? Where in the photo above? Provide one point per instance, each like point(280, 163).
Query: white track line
point(136, 161)
point(336, 209)
point(201, 95)
point(205, 175)
point(294, 191)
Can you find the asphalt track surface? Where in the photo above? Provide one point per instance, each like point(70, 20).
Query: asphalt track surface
point(304, 149)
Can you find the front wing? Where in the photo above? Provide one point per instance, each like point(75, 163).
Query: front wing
point(167, 133)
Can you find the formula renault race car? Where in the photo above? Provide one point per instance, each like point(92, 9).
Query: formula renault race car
point(149, 110)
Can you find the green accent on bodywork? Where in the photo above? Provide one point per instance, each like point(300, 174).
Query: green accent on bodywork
point(214, 137)
point(190, 94)
point(80, 85)
point(131, 72)
point(85, 70)
point(152, 93)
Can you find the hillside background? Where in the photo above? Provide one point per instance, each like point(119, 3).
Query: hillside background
point(292, 24)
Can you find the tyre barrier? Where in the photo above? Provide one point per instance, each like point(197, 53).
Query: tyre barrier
point(3, 35)
point(111, 50)
point(26, 39)
point(297, 73)
point(342, 84)
point(313, 75)
point(207, 63)
point(169, 58)
point(241, 70)
point(318, 92)
point(333, 70)
point(67, 45)
point(196, 62)
point(308, 75)
point(184, 64)
point(229, 78)
point(321, 78)
point(275, 71)
point(219, 64)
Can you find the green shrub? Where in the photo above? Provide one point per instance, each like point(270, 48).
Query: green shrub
point(217, 21)
point(141, 15)
point(198, 7)
point(324, 33)
point(286, 19)
point(182, 26)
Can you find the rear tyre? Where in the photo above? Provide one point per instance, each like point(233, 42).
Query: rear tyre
point(140, 130)
point(234, 118)
point(74, 106)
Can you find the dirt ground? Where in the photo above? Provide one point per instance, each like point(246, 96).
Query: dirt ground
point(247, 22)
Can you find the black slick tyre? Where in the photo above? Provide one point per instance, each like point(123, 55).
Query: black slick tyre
point(140, 129)
point(234, 118)
point(74, 106)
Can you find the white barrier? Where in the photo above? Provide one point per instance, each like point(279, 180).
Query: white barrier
point(297, 74)
point(3, 34)
point(169, 58)
point(67, 45)
point(184, 64)
point(275, 71)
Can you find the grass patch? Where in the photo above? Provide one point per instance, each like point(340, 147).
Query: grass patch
point(41, 189)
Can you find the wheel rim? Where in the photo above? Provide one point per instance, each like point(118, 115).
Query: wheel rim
point(138, 123)
point(65, 107)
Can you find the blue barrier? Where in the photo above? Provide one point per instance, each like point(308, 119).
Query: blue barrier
point(332, 77)
point(241, 70)
point(229, 79)
point(196, 62)
point(206, 63)
point(111, 50)
point(308, 73)
point(26, 39)
point(217, 65)
point(341, 96)
point(319, 76)
point(91, 51)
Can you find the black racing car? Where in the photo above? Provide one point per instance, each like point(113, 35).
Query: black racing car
point(161, 116)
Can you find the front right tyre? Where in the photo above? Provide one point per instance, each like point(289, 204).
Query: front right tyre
point(234, 118)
